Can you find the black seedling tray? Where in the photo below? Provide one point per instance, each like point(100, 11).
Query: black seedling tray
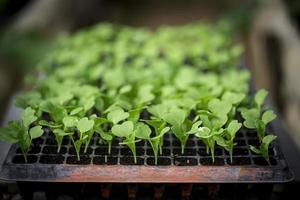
point(194, 166)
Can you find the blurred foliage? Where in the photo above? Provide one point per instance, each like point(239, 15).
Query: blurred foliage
point(24, 50)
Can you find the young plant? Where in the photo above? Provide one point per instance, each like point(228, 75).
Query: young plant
point(126, 130)
point(143, 131)
point(176, 118)
point(207, 136)
point(21, 133)
point(226, 141)
point(255, 118)
point(85, 129)
point(264, 147)
point(157, 122)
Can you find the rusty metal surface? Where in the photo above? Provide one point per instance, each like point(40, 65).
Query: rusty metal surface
point(187, 172)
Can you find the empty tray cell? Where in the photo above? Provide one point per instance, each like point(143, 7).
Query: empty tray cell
point(262, 162)
point(165, 152)
point(184, 161)
point(187, 152)
point(209, 161)
point(49, 159)
point(33, 150)
point(127, 152)
point(19, 159)
point(84, 160)
point(239, 161)
point(163, 161)
point(72, 151)
point(53, 150)
point(129, 160)
point(104, 151)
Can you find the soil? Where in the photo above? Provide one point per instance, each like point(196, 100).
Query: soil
point(160, 161)
point(239, 161)
point(181, 161)
point(189, 143)
point(208, 161)
point(239, 152)
point(84, 160)
point(112, 160)
point(19, 159)
point(251, 134)
point(53, 150)
point(104, 151)
point(140, 144)
point(166, 143)
point(37, 141)
point(99, 160)
point(218, 152)
point(58, 159)
point(187, 152)
point(262, 162)
point(72, 151)
point(52, 141)
point(254, 142)
point(127, 160)
point(127, 152)
point(33, 150)
point(240, 142)
point(165, 152)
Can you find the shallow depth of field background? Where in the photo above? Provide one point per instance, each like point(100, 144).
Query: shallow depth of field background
point(269, 30)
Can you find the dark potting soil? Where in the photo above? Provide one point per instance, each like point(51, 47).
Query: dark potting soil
point(127, 152)
point(100, 160)
point(262, 162)
point(104, 151)
point(84, 160)
point(53, 150)
point(160, 161)
point(239, 161)
point(47, 159)
point(187, 152)
point(209, 161)
point(239, 152)
point(218, 152)
point(128, 160)
point(72, 151)
point(19, 159)
point(33, 150)
point(181, 161)
point(165, 152)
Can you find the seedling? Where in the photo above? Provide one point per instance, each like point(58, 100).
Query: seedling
point(264, 147)
point(255, 118)
point(126, 130)
point(22, 132)
point(85, 129)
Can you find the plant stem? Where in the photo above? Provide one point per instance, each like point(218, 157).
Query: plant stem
point(58, 148)
point(109, 147)
point(182, 148)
